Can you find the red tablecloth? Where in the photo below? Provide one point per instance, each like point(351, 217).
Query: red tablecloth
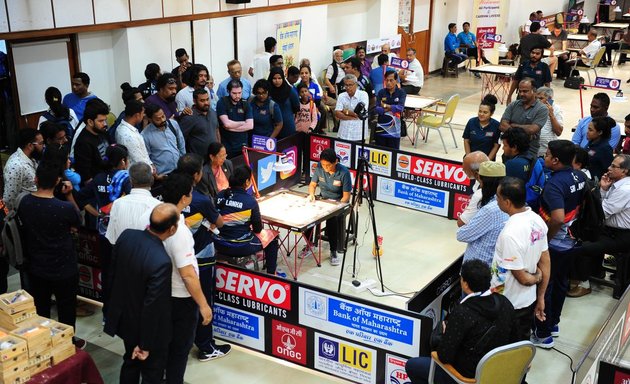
point(77, 369)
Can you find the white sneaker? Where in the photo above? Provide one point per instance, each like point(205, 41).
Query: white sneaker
point(306, 252)
point(334, 259)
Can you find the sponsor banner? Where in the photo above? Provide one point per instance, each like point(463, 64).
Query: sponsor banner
point(344, 359)
point(353, 175)
point(430, 300)
point(90, 285)
point(86, 247)
point(289, 342)
point(253, 292)
point(312, 167)
point(432, 172)
point(412, 196)
point(488, 19)
point(318, 144)
point(288, 36)
point(263, 142)
point(363, 323)
point(397, 62)
point(605, 82)
point(460, 202)
point(379, 160)
point(395, 370)
point(266, 174)
point(344, 152)
point(239, 326)
point(291, 156)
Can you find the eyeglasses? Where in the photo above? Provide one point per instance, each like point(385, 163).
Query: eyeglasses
point(615, 166)
point(34, 143)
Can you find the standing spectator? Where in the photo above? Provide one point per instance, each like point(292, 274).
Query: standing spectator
point(350, 126)
point(481, 232)
point(334, 74)
point(19, 170)
point(127, 133)
point(470, 165)
point(559, 206)
point(535, 39)
point(553, 127)
point(266, 112)
point(527, 113)
point(600, 152)
point(51, 261)
point(260, 65)
point(165, 96)
point(451, 47)
point(201, 128)
point(353, 67)
point(235, 117)
point(127, 211)
point(390, 104)
point(197, 78)
point(151, 73)
point(54, 134)
point(287, 99)
point(91, 142)
point(533, 69)
point(599, 107)
point(139, 309)
point(293, 75)
point(276, 61)
point(216, 171)
point(306, 116)
point(235, 73)
point(59, 113)
point(318, 97)
point(163, 139)
point(213, 95)
point(129, 94)
point(482, 132)
point(181, 56)
point(412, 78)
point(366, 65)
point(520, 267)
point(515, 151)
point(80, 95)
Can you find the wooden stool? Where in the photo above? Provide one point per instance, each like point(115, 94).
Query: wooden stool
point(447, 70)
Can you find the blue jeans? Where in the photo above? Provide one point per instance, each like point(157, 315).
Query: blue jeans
point(418, 371)
point(456, 58)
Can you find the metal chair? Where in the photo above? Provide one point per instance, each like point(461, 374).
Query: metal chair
point(435, 120)
point(623, 48)
point(592, 66)
point(502, 365)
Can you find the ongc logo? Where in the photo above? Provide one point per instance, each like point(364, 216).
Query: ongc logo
point(258, 288)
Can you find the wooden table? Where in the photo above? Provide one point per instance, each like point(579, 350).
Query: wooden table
point(414, 106)
point(495, 79)
point(557, 52)
point(609, 28)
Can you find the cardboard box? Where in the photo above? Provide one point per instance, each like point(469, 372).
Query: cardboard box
point(61, 334)
point(11, 346)
point(13, 321)
point(14, 302)
point(17, 371)
point(37, 338)
point(62, 352)
point(42, 365)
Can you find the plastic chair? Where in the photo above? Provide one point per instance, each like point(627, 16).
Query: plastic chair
point(592, 66)
point(502, 365)
point(436, 120)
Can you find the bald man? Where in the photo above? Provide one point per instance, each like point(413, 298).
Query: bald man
point(386, 49)
point(139, 307)
point(471, 164)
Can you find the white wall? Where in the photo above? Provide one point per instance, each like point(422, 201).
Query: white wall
point(96, 58)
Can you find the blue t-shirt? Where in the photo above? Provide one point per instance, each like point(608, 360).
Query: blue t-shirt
point(241, 215)
point(76, 103)
point(564, 189)
point(376, 77)
point(240, 111)
point(263, 119)
point(292, 103)
point(201, 208)
point(518, 166)
point(333, 186)
point(482, 139)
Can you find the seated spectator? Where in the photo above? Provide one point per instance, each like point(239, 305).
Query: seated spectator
point(468, 40)
point(559, 40)
point(525, 30)
point(58, 113)
point(451, 47)
point(599, 107)
point(586, 54)
point(470, 165)
point(386, 49)
point(599, 150)
point(216, 171)
point(152, 72)
point(412, 78)
point(266, 112)
point(242, 233)
point(390, 105)
point(287, 99)
point(624, 42)
point(482, 132)
point(80, 95)
point(235, 119)
point(483, 321)
point(553, 127)
point(164, 141)
point(515, 146)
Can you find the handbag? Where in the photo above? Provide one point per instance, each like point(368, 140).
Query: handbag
point(573, 82)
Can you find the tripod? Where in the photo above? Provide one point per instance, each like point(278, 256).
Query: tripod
point(359, 193)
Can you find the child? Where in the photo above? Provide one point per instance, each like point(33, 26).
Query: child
point(306, 117)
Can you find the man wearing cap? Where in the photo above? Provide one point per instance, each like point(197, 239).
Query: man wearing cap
point(483, 229)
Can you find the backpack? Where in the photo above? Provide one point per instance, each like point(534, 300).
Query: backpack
point(535, 183)
point(590, 219)
point(272, 105)
point(11, 237)
point(61, 121)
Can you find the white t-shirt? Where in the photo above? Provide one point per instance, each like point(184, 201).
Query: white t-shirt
point(415, 74)
point(127, 213)
point(591, 50)
point(473, 205)
point(260, 66)
point(519, 246)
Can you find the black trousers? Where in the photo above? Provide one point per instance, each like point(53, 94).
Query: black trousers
point(410, 89)
point(204, 339)
point(65, 291)
point(589, 256)
point(150, 370)
point(523, 320)
point(184, 315)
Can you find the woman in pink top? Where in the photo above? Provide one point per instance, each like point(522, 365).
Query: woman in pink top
point(216, 171)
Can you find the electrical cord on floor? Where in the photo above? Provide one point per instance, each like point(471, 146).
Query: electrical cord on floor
point(570, 363)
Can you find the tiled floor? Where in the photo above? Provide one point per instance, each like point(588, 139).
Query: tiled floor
point(417, 247)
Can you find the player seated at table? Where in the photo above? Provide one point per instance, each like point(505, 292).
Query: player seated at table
point(242, 233)
point(334, 183)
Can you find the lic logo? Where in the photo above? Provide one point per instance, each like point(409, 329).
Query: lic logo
point(329, 349)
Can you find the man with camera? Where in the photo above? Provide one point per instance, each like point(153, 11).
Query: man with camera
point(350, 123)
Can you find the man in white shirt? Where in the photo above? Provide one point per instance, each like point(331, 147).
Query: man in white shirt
point(127, 212)
point(412, 78)
point(470, 165)
point(350, 125)
point(197, 78)
point(615, 237)
point(587, 53)
point(521, 263)
point(386, 49)
point(260, 65)
point(127, 134)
